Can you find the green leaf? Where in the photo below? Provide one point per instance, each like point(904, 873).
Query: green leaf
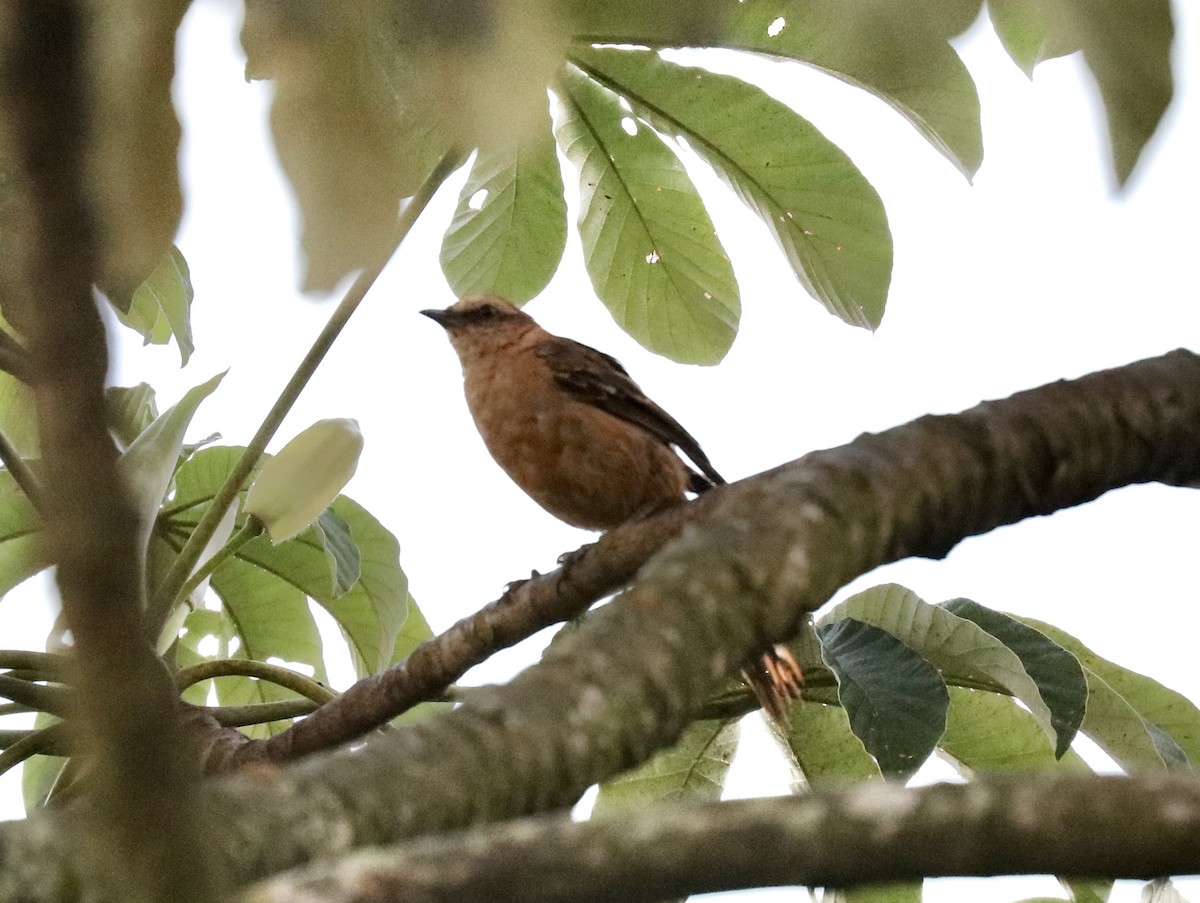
point(18, 419)
point(650, 248)
point(1127, 47)
point(341, 552)
point(896, 701)
point(129, 410)
point(990, 734)
point(510, 227)
point(1057, 673)
point(825, 216)
point(149, 462)
point(1030, 30)
point(693, 769)
point(374, 608)
point(21, 549)
point(962, 650)
point(1159, 709)
point(912, 69)
point(821, 745)
point(161, 307)
point(416, 630)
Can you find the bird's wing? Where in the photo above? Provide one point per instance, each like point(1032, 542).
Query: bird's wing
point(594, 378)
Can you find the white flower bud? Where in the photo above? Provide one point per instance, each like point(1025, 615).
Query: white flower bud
point(304, 478)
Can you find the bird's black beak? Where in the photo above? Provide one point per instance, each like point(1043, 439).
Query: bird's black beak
point(441, 317)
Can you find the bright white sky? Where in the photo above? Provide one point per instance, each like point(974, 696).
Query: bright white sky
point(1036, 272)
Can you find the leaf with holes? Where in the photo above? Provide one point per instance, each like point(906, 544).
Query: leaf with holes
point(650, 248)
point(825, 216)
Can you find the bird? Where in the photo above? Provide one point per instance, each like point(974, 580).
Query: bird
point(570, 426)
point(566, 422)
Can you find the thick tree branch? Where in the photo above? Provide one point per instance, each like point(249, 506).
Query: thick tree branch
point(143, 838)
point(772, 549)
point(1101, 827)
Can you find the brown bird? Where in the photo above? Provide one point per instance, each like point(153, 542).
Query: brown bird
point(566, 422)
point(574, 431)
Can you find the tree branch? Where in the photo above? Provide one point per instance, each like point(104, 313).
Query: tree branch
point(771, 549)
point(1101, 827)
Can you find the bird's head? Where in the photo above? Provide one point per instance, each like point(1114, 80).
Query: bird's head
point(478, 312)
point(481, 321)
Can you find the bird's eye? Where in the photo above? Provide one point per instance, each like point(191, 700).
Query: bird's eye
point(487, 313)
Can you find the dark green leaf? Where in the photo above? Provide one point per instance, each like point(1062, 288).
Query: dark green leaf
point(824, 214)
point(964, 651)
point(161, 307)
point(649, 245)
point(896, 701)
point(912, 69)
point(510, 226)
point(1056, 672)
point(693, 769)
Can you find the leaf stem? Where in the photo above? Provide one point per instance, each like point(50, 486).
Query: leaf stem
point(245, 667)
point(160, 603)
point(251, 529)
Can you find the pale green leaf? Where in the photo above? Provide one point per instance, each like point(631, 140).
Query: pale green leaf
point(341, 552)
point(161, 308)
point(822, 747)
point(825, 216)
point(149, 462)
point(693, 769)
point(650, 248)
point(129, 410)
point(510, 227)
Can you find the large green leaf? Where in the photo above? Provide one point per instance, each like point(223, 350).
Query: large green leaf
point(161, 308)
point(1056, 672)
point(1165, 718)
point(826, 217)
point(693, 769)
point(371, 612)
point(962, 650)
point(649, 245)
point(510, 227)
point(895, 700)
point(129, 410)
point(1029, 32)
point(914, 70)
point(21, 551)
